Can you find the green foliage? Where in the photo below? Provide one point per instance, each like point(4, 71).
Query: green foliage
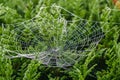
point(81, 71)
point(32, 71)
point(112, 72)
point(6, 70)
point(8, 15)
point(49, 29)
point(57, 78)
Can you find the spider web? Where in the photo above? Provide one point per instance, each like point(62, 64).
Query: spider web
point(52, 38)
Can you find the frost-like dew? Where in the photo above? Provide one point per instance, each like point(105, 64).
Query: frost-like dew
point(55, 36)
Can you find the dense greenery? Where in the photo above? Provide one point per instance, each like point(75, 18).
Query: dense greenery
point(103, 63)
